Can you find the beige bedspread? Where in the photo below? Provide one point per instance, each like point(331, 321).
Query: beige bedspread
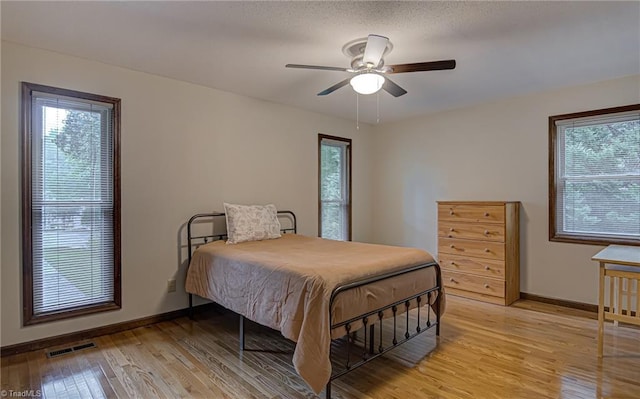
point(286, 284)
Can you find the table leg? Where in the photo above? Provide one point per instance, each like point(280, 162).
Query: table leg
point(601, 309)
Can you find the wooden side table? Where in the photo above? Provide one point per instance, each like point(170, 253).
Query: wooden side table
point(622, 281)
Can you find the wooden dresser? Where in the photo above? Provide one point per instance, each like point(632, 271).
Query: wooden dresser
point(478, 249)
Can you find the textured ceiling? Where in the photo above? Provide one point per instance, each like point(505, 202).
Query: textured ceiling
point(502, 49)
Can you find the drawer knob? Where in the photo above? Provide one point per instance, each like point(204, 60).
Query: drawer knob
point(452, 246)
point(486, 214)
point(451, 229)
point(486, 232)
point(487, 268)
point(451, 213)
point(452, 280)
point(453, 263)
point(486, 286)
point(487, 250)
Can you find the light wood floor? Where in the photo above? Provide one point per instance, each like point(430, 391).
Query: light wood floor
point(528, 350)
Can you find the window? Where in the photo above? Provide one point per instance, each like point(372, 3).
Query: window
point(71, 203)
point(594, 176)
point(334, 187)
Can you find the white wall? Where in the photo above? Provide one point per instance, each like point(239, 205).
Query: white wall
point(496, 151)
point(185, 149)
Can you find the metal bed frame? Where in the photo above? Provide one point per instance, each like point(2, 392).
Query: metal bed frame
point(367, 319)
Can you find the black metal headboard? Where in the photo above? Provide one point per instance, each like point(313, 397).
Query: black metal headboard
point(195, 241)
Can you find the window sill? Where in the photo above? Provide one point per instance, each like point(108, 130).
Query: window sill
point(591, 240)
point(69, 313)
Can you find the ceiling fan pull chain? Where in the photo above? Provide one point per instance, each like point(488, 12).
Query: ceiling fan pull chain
point(378, 107)
point(357, 112)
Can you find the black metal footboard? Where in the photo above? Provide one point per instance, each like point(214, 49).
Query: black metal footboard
point(368, 319)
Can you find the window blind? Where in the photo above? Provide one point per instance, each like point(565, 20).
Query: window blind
point(72, 204)
point(598, 176)
point(334, 189)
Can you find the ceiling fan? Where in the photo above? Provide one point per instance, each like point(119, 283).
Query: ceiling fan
point(367, 63)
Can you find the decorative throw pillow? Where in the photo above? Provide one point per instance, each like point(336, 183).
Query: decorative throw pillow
point(251, 222)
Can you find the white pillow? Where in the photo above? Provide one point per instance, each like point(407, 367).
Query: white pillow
point(251, 222)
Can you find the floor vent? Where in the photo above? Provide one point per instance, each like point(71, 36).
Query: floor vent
point(64, 351)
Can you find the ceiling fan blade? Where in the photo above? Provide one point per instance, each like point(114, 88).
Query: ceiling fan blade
point(375, 49)
point(334, 87)
point(324, 68)
point(390, 87)
point(423, 66)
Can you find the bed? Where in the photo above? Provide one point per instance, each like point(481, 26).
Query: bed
point(315, 290)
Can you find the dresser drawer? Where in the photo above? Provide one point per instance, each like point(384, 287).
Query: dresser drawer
point(485, 267)
point(468, 282)
point(471, 213)
point(480, 249)
point(479, 231)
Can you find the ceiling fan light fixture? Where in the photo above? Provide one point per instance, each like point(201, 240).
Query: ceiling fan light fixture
point(367, 83)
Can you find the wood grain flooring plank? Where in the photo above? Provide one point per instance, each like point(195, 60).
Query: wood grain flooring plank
point(151, 374)
point(120, 367)
point(95, 359)
point(93, 376)
point(173, 375)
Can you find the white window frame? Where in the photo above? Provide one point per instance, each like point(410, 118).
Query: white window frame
point(558, 179)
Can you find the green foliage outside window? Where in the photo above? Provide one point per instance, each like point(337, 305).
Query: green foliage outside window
point(602, 171)
point(72, 158)
point(333, 191)
point(72, 173)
